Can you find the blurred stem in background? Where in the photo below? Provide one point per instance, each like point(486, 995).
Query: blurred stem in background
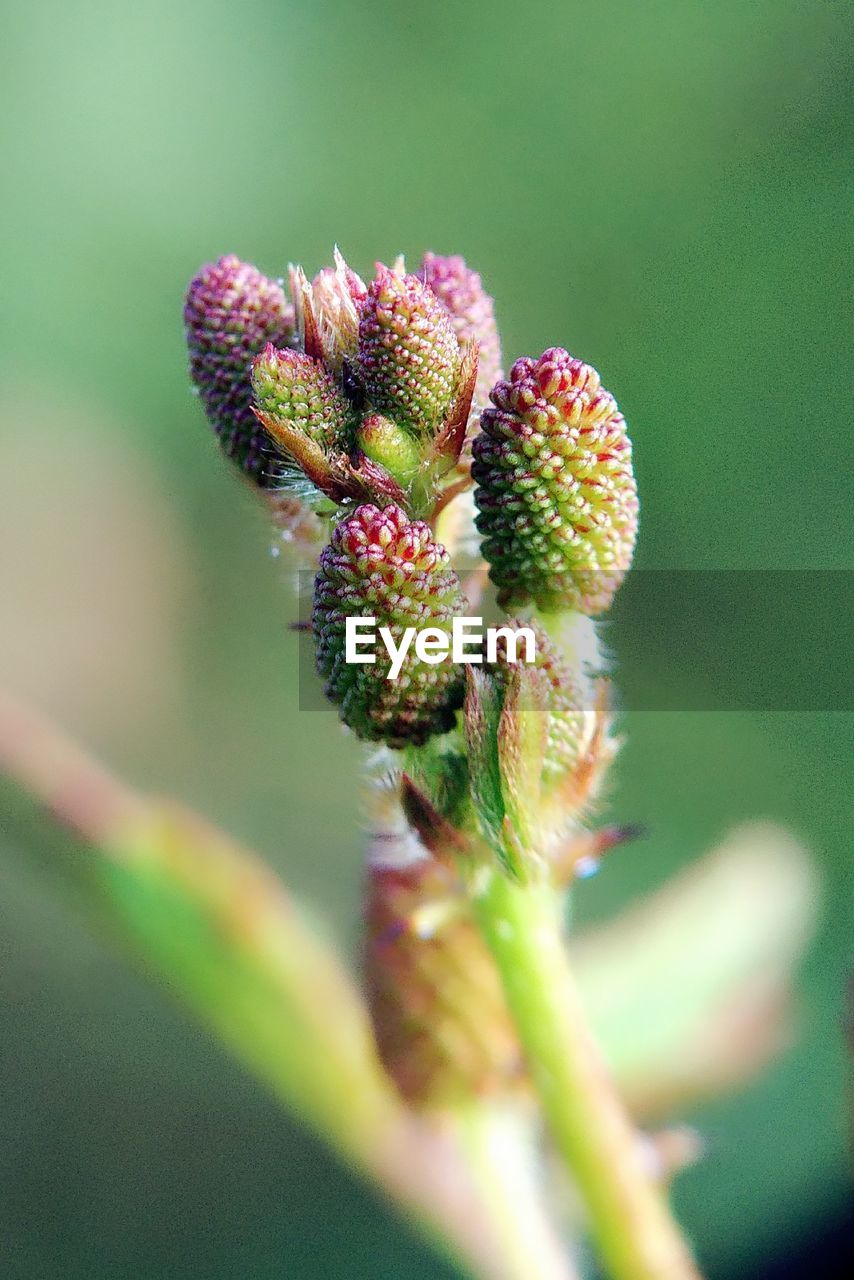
point(219, 930)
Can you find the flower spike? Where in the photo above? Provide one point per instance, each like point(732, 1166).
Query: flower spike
point(556, 490)
point(294, 391)
point(382, 565)
point(472, 312)
point(409, 357)
point(231, 312)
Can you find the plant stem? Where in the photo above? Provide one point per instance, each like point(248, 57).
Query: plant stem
point(627, 1210)
point(500, 1155)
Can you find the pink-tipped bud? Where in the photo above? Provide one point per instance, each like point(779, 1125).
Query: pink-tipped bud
point(382, 565)
point(409, 357)
point(556, 491)
point(291, 389)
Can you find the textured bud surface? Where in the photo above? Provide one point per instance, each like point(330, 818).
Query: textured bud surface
point(556, 491)
point(409, 356)
point(380, 564)
point(231, 312)
point(296, 390)
point(472, 312)
point(440, 1020)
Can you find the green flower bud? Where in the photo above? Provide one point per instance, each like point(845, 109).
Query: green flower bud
point(409, 357)
point(383, 441)
point(382, 565)
point(293, 391)
point(231, 312)
point(556, 491)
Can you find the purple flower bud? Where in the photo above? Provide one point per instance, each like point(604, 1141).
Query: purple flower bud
point(231, 312)
point(472, 312)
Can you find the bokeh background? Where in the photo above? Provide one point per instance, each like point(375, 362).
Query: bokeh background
point(660, 187)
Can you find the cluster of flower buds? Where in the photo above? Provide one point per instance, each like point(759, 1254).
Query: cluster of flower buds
point(368, 405)
point(365, 391)
point(360, 402)
point(361, 412)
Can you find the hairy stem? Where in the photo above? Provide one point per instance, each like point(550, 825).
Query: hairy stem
point(628, 1213)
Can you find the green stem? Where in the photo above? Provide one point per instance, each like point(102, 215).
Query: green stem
point(628, 1213)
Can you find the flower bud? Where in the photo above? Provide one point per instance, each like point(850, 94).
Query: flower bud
point(556, 491)
point(383, 441)
point(461, 293)
point(409, 357)
point(440, 1020)
point(294, 391)
point(336, 294)
point(380, 564)
point(231, 312)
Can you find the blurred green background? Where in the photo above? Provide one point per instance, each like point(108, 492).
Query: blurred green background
point(660, 187)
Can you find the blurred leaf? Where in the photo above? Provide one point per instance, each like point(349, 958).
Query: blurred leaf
point(690, 991)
